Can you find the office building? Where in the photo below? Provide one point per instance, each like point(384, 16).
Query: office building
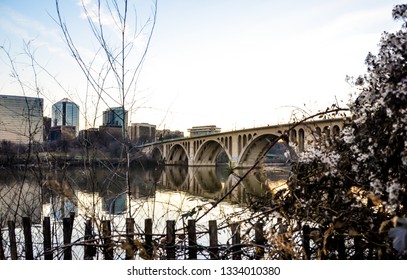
point(115, 116)
point(89, 136)
point(21, 119)
point(65, 133)
point(46, 128)
point(65, 113)
point(203, 130)
point(141, 133)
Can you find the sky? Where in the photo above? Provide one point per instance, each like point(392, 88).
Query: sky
point(235, 64)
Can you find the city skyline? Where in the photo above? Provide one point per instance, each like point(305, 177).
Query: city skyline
point(17, 111)
point(231, 64)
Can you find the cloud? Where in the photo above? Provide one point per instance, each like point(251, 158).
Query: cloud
point(110, 17)
point(16, 26)
point(360, 22)
point(96, 13)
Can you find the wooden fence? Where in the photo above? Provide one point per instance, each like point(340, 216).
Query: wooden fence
point(173, 244)
point(144, 245)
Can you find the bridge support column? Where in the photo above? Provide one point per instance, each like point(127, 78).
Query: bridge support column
point(234, 160)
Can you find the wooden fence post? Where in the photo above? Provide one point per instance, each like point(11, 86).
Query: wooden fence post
point(72, 219)
point(2, 257)
point(107, 237)
point(130, 238)
point(259, 240)
point(323, 253)
point(89, 250)
point(213, 239)
point(28, 242)
point(46, 232)
point(358, 248)
point(236, 246)
point(340, 246)
point(148, 230)
point(306, 241)
point(12, 237)
point(66, 222)
point(192, 245)
point(171, 240)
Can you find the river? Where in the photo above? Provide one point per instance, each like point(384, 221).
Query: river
point(30, 192)
point(161, 193)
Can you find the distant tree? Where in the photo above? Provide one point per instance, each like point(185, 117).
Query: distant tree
point(7, 153)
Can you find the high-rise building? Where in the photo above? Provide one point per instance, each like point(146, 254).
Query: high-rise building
point(65, 113)
point(115, 116)
point(21, 119)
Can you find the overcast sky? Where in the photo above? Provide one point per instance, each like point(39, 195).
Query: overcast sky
point(234, 64)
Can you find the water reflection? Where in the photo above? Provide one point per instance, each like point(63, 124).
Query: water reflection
point(103, 191)
point(159, 193)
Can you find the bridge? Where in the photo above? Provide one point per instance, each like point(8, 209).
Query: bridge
point(242, 147)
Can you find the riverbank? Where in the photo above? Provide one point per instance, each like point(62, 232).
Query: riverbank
point(59, 159)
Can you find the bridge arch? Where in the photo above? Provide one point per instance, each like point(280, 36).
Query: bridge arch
point(255, 149)
point(176, 177)
point(208, 152)
point(157, 154)
point(207, 180)
point(177, 155)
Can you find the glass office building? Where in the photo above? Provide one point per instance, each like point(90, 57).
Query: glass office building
point(115, 116)
point(21, 119)
point(65, 113)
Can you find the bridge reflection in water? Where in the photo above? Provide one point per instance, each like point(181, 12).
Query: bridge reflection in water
point(161, 193)
point(107, 193)
point(216, 181)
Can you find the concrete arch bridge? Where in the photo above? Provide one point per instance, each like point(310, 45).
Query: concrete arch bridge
point(241, 147)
